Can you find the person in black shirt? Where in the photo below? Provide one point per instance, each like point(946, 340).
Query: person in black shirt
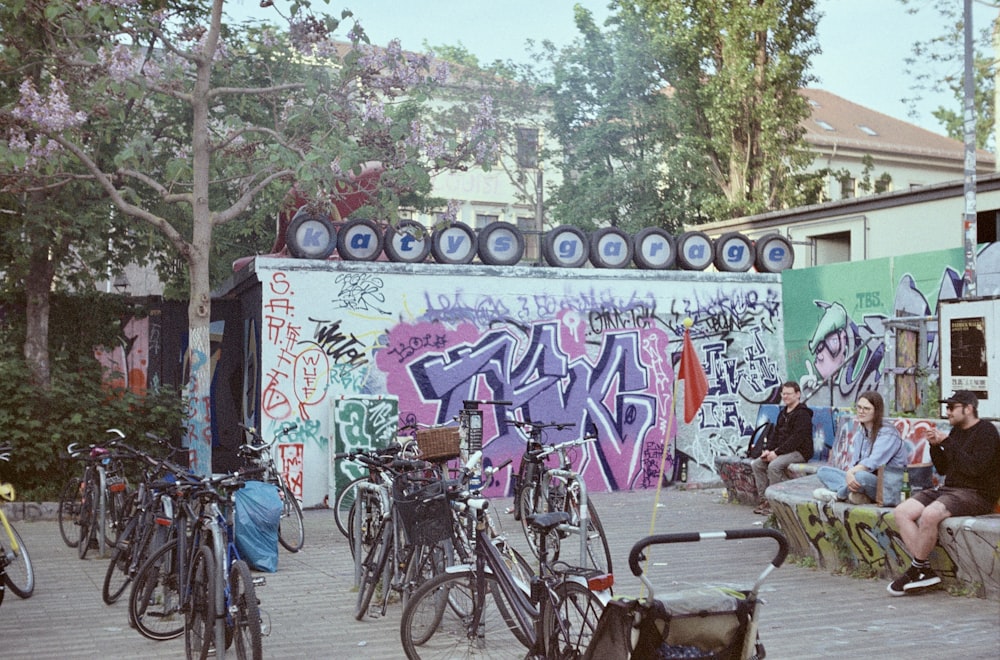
point(792, 443)
point(969, 458)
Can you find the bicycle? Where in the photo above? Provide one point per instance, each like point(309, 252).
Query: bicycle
point(147, 528)
point(102, 494)
point(16, 570)
point(291, 531)
point(197, 585)
point(540, 488)
point(483, 609)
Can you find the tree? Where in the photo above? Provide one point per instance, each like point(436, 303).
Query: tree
point(211, 143)
point(938, 64)
point(735, 70)
point(621, 161)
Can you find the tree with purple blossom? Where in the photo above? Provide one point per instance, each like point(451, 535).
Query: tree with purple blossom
point(188, 124)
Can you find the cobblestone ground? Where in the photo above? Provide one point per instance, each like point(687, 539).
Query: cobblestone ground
point(309, 601)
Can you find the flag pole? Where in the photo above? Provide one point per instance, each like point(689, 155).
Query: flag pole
point(671, 432)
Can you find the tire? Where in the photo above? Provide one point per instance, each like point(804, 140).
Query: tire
point(345, 505)
point(291, 532)
point(408, 242)
point(246, 617)
point(425, 563)
point(114, 520)
point(199, 622)
point(430, 628)
point(155, 602)
point(373, 571)
point(500, 244)
point(734, 253)
point(580, 608)
point(527, 504)
point(311, 235)
point(359, 240)
point(695, 250)
point(117, 577)
point(371, 521)
point(454, 244)
point(19, 574)
point(69, 512)
point(88, 520)
point(565, 246)
point(654, 249)
point(598, 551)
point(610, 247)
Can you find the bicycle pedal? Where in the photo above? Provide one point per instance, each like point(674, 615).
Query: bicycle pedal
point(265, 623)
point(259, 581)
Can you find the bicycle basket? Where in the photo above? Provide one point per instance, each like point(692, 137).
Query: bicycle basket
point(423, 509)
point(439, 443)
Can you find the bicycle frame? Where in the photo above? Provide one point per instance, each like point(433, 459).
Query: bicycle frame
point(572, 480)
point(377, 490)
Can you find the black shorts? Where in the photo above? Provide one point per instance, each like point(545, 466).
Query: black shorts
point(958, 501)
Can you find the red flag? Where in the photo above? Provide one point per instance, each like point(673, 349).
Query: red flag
point(695, 381)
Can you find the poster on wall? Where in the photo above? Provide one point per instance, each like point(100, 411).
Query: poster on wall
point(969, 369)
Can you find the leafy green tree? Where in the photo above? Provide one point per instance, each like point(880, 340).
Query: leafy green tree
point(213, 143)
point(938, 64)
point(612, 116)
point(734, 71)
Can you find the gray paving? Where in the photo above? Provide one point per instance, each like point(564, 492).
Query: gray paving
point(806, 613)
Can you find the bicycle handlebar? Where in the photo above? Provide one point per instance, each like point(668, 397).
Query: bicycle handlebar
point(548, 450)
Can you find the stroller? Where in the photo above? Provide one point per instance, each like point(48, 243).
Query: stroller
point(704, 622)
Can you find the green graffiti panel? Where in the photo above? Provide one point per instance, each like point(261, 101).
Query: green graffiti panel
point(359, 422)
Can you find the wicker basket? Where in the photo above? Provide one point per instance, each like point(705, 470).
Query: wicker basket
point(438, 444)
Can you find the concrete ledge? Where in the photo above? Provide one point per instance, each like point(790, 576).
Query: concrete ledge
point(32, 511)
point(837, 533)
point(737, 477)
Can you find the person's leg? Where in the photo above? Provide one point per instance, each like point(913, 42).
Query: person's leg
point(776, 468)
point(834, 479)
point(869, 484)
point(759, 467)
point(917, 519)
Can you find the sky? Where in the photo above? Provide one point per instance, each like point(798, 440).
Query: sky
point(864, 42)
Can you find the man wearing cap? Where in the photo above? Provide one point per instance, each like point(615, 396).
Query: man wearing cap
point(969, 458)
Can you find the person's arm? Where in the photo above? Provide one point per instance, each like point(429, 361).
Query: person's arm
point(971, 457)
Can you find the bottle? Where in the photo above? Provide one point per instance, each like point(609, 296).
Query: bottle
point(904, 491)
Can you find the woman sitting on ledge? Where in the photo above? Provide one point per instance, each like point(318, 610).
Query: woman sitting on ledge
point(880, 446)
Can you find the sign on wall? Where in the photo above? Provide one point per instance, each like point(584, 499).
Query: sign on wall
point(970, 350)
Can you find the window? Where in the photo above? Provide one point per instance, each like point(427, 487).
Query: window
point(848, 187)
point(866, 130)
point(824, 125)
point(483, 219)
point(831, 248)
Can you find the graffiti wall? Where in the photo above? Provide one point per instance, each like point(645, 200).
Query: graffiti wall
point(835, 317)
point(593, 347)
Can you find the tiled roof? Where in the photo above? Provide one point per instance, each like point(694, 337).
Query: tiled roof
point(835, 121)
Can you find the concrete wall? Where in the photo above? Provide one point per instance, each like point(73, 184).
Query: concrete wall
point(594, 347)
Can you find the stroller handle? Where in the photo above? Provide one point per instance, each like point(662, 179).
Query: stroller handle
point(635, 555)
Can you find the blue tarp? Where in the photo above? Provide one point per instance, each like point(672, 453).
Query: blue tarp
point(258, 512)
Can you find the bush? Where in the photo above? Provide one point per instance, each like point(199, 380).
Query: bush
point(79, 408)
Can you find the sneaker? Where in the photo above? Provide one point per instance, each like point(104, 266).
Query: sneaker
point(824, 495)
point(914, 578)
point(858, 498)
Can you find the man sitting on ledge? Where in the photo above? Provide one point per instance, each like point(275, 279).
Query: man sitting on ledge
point(792, 443)
point(970, 460)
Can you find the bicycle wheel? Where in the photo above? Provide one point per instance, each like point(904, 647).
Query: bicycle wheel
point(88, 521)
point(291, 532)
point(114, 518)
point(578, 609)
point(19, 574)
point(117, 577)
point(425, 562)
point(371, 521)
point(69, 511)
point(245, 613)
point(154, 604)
point(374, 570)
point(598, 551)
point(430, 628)
point(344, 505)
point(199, 622)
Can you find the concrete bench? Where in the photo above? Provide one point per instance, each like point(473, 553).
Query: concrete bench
point(848, 536)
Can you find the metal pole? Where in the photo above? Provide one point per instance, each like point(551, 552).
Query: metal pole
point(969, 231)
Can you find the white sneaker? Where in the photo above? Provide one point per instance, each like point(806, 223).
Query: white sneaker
point(824, 495)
